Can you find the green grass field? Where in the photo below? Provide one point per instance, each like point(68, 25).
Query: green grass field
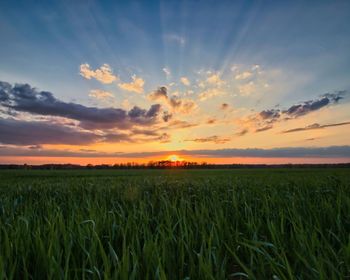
point(175, 224)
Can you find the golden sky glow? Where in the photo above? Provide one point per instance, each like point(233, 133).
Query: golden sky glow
point(114, 82)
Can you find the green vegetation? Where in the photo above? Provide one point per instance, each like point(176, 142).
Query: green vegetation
point(175, 224)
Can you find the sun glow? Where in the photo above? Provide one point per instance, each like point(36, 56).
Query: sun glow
point(174, 158)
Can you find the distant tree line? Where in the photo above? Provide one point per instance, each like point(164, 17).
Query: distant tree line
point(167, 164)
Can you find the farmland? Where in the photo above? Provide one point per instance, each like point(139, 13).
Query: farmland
point(175, 224)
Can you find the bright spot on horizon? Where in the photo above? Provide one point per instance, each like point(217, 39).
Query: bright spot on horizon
point(174, 158)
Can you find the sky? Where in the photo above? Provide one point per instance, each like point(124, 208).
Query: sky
point(215, 81)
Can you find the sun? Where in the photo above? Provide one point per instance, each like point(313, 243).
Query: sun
point(174, 158)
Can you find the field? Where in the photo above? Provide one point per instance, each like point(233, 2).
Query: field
point(175, 224)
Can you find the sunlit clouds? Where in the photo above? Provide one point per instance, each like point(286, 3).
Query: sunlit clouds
point(147, 77)
point(103, 74)
point(135, 86)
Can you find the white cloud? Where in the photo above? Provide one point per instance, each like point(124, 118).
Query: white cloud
point(136, 85)
point(167, 72)
point(175, 38)
point(244, 75)
point(185, 81)
point(104, 74)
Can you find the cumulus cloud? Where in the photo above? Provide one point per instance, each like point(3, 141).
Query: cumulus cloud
point(24, 98)
point(315, 126)
point(215, 79)
point(177, 104)
point(135, 86)
point(104, 74)
point(213, 139)
point(185, 81)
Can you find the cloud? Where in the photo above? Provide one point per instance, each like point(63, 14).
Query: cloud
point(214, 139)
point(104, 74)
point(264, 128)
point(210, 93)
point(243, 75)
point(185, 81)
point(167, 72)
point(265, 119)
point(100, 94)
point(24, 98)
point(17, 132)
point(247, 89)
point(286, 152)
point(215, 79)
point(242, 132)
point(313, 105)
point(177, 124)
point(37, 133)
point(315, 126)
point(176, 39)
point(224, 106)
point(177, 104)
point(136, 85)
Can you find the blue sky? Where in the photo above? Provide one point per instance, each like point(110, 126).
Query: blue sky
point(299, 51)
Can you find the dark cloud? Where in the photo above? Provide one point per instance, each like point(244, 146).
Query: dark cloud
point(242, 132)
point(35, 133)
point(269, 114)
point(224, 106)
point(264, 128)
point(292, 152)
point(214, 139)
point(313, 105)
point(265, 119)
point(177, 104)
point(211, 121)
point(176, 124)
point(166, 116)
point(161, 92)
point(315, 126)
point(164, 138)
point(24, 98)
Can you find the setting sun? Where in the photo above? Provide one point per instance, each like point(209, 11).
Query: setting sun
point(174, 158)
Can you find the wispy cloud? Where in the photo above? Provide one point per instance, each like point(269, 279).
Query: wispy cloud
point(266, 119)
point(292, 152)
point(175, 38)
point(167, 72)
point(315, 126)
point(213, 139)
